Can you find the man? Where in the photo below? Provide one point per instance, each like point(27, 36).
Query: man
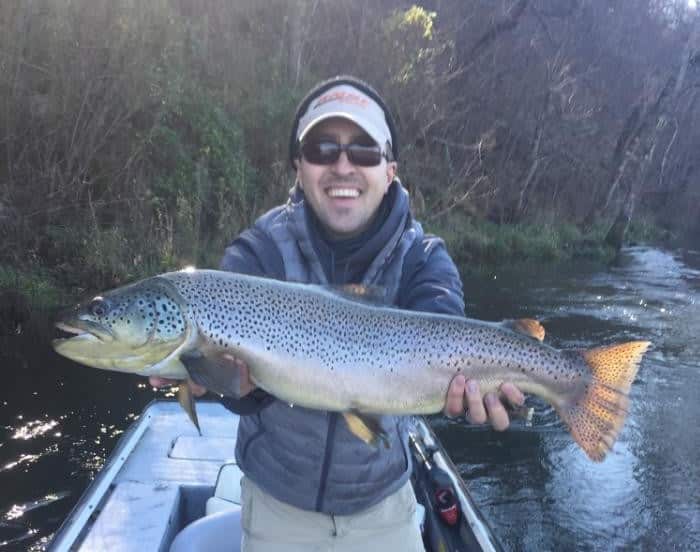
point(309, 483)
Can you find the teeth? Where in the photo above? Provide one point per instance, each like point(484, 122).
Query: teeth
point(343, 192)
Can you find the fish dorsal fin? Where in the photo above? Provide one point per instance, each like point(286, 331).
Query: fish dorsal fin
point(373, 295)
point(526, 326)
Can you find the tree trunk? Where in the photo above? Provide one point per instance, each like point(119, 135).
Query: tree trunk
point(616, 235)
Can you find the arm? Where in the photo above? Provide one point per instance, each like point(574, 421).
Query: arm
point(431, 283)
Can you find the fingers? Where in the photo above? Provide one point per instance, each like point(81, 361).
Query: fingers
point(496, 412)
point(454, 405)
point(238, 376)
point(476, 413)
point(512, 394)
point(196, 389)
point(244, 383)
point(157, 381)
point(481, 409)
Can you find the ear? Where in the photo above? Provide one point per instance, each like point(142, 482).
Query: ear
point(297, 164)
point(391, 168)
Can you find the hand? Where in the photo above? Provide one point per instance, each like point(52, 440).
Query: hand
point(244, 382)
point(229, 372)
point(479, 410)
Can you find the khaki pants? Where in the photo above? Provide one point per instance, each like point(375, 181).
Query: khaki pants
point(273, 526)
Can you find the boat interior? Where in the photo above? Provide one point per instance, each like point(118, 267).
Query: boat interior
point(180, 491)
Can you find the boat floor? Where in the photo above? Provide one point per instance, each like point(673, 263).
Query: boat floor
point(162, 472)
point(160, 480)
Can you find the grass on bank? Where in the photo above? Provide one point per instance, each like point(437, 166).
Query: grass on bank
point(484, 243)
point(111, 258)
point(36, 285)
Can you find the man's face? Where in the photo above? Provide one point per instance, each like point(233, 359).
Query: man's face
point(344, 197)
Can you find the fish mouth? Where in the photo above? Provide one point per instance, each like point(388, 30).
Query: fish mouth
point(83, 330)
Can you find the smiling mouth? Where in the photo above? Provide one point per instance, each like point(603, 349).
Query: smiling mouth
point(350, 193)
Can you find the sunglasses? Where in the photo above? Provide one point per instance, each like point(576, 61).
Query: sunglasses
point(327, 152)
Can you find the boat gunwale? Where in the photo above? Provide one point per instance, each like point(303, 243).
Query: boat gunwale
point(94, 496)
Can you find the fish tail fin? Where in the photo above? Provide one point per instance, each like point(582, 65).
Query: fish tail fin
point(596, 415)
point(187, 402)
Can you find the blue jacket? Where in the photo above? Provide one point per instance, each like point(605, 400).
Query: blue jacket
point(309, 458)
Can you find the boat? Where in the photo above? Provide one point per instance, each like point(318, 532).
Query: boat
point(166, 487)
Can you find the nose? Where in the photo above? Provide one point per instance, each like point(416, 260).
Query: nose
point(343, 164)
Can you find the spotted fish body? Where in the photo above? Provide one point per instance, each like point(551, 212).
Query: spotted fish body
point(310, 346)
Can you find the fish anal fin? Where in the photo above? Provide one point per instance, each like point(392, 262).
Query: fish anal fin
point(187, 402)
point(214, 369)
point(596, 414)
point(526, 326)
point(366, 427)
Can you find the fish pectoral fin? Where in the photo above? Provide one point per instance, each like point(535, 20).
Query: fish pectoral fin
point(187, 402)
point(366, 427)
point(526, 326)
point(215, 370)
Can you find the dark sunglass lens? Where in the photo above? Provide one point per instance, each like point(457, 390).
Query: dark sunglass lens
point(320, 153)
point(326, 153)
point(364, 156)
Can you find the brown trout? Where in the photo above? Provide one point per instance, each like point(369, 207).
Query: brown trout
point(319, 348)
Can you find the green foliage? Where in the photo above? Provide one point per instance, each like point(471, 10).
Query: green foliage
point(414, 23)
point(203, 186)
point(645, 230)
point(36, 284)
point(266, 123)
point(143, 136)
point(480, 242)
point(410, 41)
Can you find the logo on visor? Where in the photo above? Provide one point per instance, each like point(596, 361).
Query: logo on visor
point(342, 97)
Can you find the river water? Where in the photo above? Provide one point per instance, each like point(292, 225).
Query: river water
point(58, 421)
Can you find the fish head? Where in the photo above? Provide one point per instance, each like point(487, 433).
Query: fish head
point(137, 328)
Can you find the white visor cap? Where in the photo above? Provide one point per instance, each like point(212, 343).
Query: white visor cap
point(348, 102)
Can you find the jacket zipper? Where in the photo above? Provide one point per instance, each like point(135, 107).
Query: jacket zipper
point(332, 421)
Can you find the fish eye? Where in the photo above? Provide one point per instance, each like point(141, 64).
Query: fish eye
point(98, 307)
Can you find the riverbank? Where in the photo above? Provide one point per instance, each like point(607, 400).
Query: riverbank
point(484, 244)
point(478, 244)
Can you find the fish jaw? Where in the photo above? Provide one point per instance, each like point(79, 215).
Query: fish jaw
point(90, 350)
point(96, 346)
point(77, 326)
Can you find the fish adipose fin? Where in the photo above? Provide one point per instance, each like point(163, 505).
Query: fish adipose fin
point(596, 415)
point(366, 427)
point(187, 402)
point(526, 326)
